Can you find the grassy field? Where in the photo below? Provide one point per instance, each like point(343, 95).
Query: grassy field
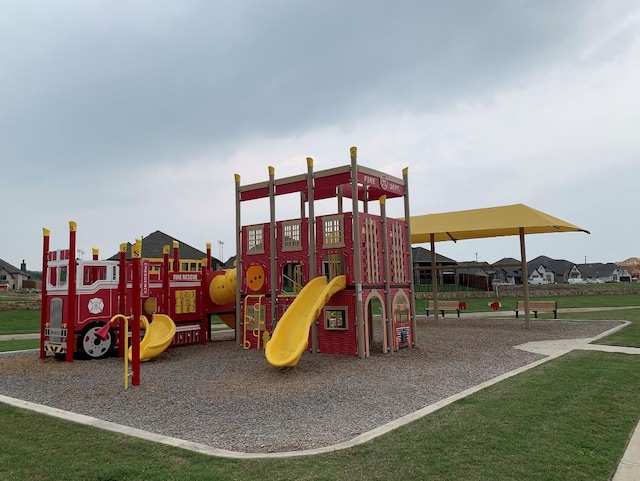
point(509, 303)
point(20, 321)
point(569, 418)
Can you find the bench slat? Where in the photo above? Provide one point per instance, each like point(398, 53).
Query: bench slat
point(539, 306)
point(444, 306)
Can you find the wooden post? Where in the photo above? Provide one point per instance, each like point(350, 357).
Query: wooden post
point(176, 256)
point(525, 281)
point(357, 263)
point(407, 216)
point(311, 225)
point(434, 277)
point(273, 276)
point(46, 234)
point(239, 320)
point(136, 254)
point(388, 308)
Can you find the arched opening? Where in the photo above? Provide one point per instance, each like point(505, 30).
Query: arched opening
point(403, 336)
point(377, 342)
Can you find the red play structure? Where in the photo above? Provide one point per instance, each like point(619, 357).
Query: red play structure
point(80, 297)
point(336, 283)
point(364, 258)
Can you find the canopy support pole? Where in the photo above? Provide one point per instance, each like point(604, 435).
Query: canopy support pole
point(525, 281)
point(434, 277)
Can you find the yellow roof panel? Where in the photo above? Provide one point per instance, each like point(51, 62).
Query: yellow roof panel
point(488, 222)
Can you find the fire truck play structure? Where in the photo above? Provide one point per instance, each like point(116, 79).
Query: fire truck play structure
point(80, 298)
point(319, 278)
point(336, 283)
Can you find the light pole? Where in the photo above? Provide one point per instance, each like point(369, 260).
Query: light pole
point(221, 250)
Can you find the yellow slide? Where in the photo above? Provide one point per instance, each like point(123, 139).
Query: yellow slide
point(291, 335)
point(158, 334)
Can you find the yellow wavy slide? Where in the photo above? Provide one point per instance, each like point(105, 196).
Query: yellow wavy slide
point(158, 334)
point(291, 335)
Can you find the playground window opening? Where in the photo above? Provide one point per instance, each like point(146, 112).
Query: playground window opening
point(255, 239)
point(291, 236)
point(335, 319)
point(292, 277)
point(333, 231)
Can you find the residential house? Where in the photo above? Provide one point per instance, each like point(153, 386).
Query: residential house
point(632, 265)
point(599, 272)
point(544, 270)
point(11, 278)
point(191, 259)
point(422, 267)
point(477, 275)
point(504, 272)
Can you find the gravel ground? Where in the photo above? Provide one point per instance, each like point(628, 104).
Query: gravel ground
point(229, 398)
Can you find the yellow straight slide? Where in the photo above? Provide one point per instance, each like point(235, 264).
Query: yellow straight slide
point(158, 334)
point(291, 335)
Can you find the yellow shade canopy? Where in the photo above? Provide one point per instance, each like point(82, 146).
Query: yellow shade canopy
point(488, 222)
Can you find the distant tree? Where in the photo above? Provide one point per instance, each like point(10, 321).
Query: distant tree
point(35, 275)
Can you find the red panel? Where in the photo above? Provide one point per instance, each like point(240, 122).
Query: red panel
point(300, 186)
point(379, 186)
point(340, 341)
point(259, 193)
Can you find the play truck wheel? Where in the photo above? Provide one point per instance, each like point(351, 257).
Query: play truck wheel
point(91, 346)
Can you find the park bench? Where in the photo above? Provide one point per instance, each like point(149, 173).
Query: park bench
point(539, 306)
point(445, 306)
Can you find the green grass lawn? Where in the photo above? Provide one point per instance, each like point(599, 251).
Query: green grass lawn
point(509, 303)
point(19, 345)
point(567, 419)
point(20, 321)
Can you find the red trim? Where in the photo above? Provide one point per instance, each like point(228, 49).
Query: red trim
point(71, 307)
point(259, 193)
point(43, 291)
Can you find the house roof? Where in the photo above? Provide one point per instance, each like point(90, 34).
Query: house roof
point(420, 254)
point(153, 244)
point(558, 266)
point(506, 260)
point(10, 269)
point(597, 269)
point(477, 268)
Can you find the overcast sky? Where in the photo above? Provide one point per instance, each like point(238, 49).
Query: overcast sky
point(133, 116)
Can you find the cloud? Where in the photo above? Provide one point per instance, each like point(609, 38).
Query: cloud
point(133, 116)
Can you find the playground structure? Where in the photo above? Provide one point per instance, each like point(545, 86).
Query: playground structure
point(308, 283)
point(80, 298)
point(318, 278)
